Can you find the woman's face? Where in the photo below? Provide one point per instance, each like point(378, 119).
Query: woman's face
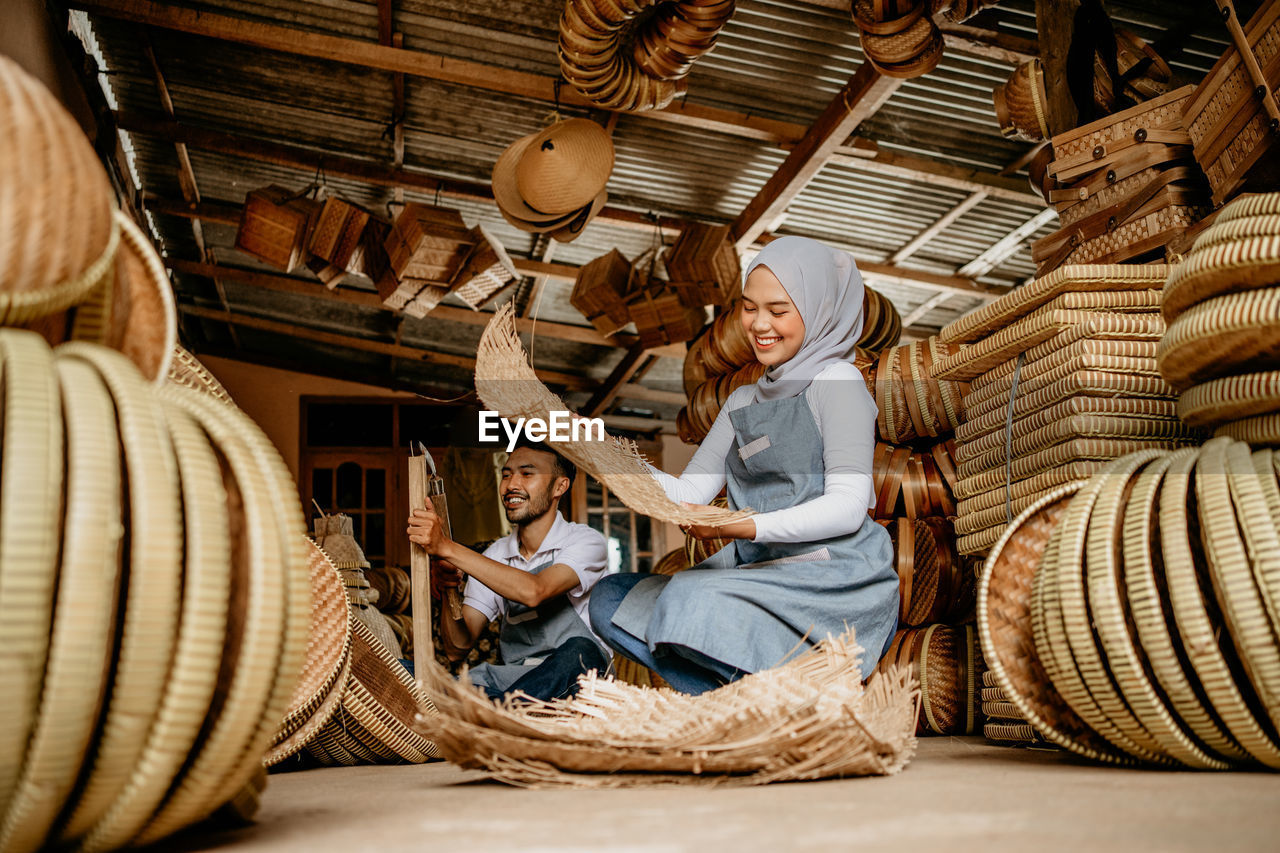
point(770, 318)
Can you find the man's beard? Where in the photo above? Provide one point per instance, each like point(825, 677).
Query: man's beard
point(536, 506)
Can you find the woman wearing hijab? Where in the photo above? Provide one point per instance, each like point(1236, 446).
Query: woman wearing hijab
point(796, 447)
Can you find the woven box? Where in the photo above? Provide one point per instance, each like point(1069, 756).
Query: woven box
point(703, 265)
point(1229, 127)
point(486, 272)
point(601, 289)
point(429, 243)
point(274, 225)
point(662, 317)
point(335, 238)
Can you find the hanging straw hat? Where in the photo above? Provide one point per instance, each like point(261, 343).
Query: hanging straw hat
point(553, 181)
point(75, 266)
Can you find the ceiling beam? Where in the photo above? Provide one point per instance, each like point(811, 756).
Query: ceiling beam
point(866, 92)
point(339, 339)
point(635, 391)
point(919, 312)
point(620, 376)
point(339, 166)
point(935, 173)
point(366, 299)
point(989, 44)
point(418, 63)
point(917, 242)
point(1007, 245)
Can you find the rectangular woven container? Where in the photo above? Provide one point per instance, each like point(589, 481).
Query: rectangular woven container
point(429, 243)
point(274, 226)
point(601, 289)
point(703, 265)
point(1225, 118)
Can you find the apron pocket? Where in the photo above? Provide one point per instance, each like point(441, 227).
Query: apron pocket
point(751, 448)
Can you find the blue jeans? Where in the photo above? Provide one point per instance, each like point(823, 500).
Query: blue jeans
point(685, 669)
point(557, 676)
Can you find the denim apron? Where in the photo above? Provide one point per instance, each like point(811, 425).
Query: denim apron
point(528, 635)
point(753, 605)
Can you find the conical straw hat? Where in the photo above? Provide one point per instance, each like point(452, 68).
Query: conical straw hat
point(565, 166)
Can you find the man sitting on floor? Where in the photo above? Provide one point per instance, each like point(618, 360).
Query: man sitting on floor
point(538, 579)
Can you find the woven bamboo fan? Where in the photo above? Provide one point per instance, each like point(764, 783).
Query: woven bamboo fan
point(765, 727)
point(943, 659)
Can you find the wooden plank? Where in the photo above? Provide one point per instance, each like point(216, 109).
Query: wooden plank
point(1007, 245)
point(865, 92)
point(424, 655)
point(917, 242)
point(924, 308)
point(417, 63)
point(1055, 23)
point(305, 287)
point(338, 339)
point(336, 165)
point(989, 44)
point(620, 376)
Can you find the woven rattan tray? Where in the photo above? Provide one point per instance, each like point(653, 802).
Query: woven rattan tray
point(993, 399)
point(1236, 333)
point(1054, 356)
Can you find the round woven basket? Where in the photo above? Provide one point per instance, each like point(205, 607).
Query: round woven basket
point(1006, 600)
point(1231, 266)
point(186, 370)
point(392, 586)
point(1019, 104)
point(942, 658)
point(52, 260)
point(1236, 333)
point(931, 579)
point(1231, 398)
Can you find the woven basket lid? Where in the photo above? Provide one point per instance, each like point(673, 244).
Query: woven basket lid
point(185, 369)
point(1119, 672)
point(154, 577)
point(564, 166)
point(143, 316)
point(1236, 333)
point(1246, 206)
point(202, 628)
point(1013, 733)
point(1233, 266)
point(30, 510)
point(1231, 398)
point(1260, 430)
point(1005, 630)
point(1143, 580)
point(255, 629)
point(1067, 279)
point(58, 238)
point(1204, 645)
point(1243, 551)
point(80, 645)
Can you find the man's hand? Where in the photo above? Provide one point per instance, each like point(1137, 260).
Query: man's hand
point(427, 529)
point(745, 529)
point(444, 576)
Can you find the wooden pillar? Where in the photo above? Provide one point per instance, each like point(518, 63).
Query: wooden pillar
point(1055, 23)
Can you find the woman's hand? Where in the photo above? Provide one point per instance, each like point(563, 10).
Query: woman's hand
point(427, 529)
point(744, 529)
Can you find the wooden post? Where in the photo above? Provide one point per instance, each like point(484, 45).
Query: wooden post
point(420, 574)
point(1055, 23)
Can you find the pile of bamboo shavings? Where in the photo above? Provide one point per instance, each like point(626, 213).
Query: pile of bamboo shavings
point(811, 718)
point(507, 384)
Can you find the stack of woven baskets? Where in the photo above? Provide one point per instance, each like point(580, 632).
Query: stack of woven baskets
point(334, 534)
point(1062, 377)
point(1126, 185)
point(620, 59)
point(1132, 618)
point(899, 37)
point(1222, 303)
point(153, 574)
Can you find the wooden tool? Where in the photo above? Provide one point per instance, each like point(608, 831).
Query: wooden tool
point(425, 485)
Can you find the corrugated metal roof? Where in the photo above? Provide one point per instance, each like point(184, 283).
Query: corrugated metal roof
point(775, 59)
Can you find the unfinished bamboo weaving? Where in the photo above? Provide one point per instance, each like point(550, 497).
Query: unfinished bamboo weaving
point(506, 383)
point(809, 719)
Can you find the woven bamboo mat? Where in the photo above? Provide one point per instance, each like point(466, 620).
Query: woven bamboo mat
point(1038, 327)
point(1071, 278)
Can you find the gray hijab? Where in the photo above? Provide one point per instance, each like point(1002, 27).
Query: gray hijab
point(826, 288)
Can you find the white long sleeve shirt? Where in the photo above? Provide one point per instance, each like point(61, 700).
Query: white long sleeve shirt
point(845, 413)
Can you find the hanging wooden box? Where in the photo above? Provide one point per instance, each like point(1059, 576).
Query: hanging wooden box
point(601, 289)
point(274, 225)
point(429, 243)
point(370, 258)
point(486, 272)
point(425, 300)
point(661, 317)
point(1232, 133)
point(703, 265)
point(1096, 146)
point(336, 236)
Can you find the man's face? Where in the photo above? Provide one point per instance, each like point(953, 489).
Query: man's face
point(528, 486)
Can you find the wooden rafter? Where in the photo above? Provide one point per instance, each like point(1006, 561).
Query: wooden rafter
point(943, 222)
point(859, 99)
point(1006, 245)
point(636, 391)
point(366, 299)
point(921, 310)
point(620, 376)
point(416, 63)
point(339, 339)
point(877, 161)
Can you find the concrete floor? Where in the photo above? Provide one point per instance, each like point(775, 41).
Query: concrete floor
point(958, 794)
